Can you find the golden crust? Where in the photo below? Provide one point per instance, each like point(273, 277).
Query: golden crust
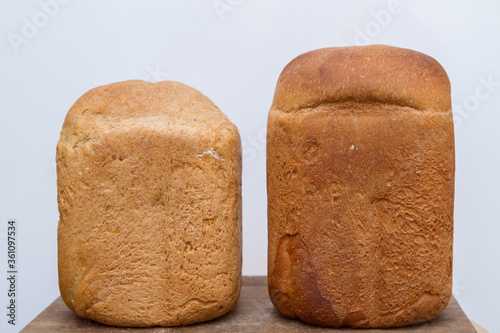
point(360, 192)
point(149, 194)
point(366, 74)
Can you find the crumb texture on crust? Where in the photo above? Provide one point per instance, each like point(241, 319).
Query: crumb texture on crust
point(360, 212)
point(149, 194)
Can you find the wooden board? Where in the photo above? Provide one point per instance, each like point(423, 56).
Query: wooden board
point(253, 313)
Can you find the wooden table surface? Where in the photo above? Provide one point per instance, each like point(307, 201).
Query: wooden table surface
point(254, 312)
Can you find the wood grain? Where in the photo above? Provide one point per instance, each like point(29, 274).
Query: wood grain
point(253, 313)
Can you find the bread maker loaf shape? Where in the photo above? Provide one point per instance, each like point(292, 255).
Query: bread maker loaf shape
point(360, 175)
point(149, 193)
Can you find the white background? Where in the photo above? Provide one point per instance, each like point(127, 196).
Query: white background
point(233, 51)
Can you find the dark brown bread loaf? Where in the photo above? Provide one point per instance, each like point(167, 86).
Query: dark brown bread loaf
point(149, 192)
point(360, 174)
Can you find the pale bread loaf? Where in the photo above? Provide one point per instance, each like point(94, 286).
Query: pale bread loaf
point(149, 193)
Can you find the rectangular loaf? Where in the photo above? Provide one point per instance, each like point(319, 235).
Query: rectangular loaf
point(360, 175)
point(149, 193)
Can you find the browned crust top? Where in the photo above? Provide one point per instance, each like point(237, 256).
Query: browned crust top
point(167, 101)
point(365, 74)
